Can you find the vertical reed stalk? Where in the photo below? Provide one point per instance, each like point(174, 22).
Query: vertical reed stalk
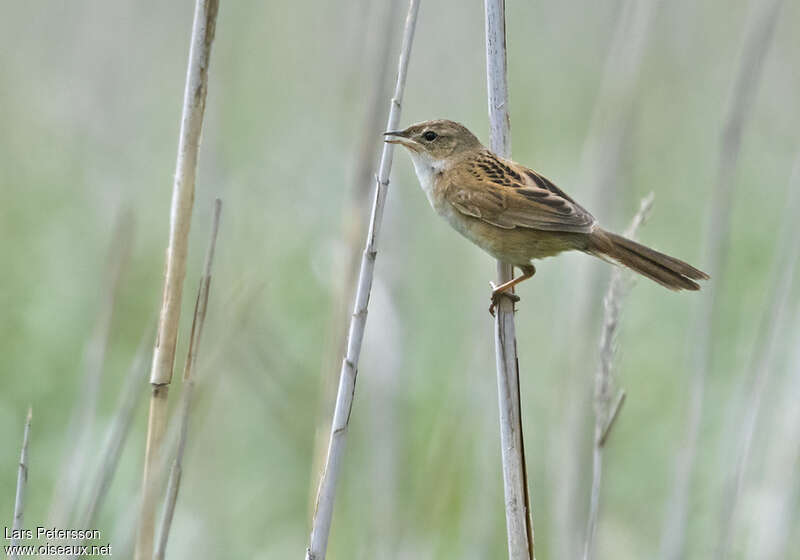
point(757, 41)
point(323, 511)
point(22, 482)
point(606, 411)
point(354, 221)
point(194, 102)
point(198, 321)
point(517, 502)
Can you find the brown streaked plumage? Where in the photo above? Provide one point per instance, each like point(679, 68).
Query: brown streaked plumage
point(516, 214)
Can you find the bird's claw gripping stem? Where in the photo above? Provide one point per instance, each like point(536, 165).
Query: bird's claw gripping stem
point(499, 292)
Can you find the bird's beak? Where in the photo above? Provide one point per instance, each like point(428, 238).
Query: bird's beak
point(398, 137)
point(394, 137)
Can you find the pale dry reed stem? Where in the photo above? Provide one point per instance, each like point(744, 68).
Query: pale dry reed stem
point(194, 101)
point(606, 411)
point(354, 216)
point(326, 493)
point(22, 483)
point(787, 253)
point(198, 321)
point(519, 523)
point(125, 528)
point(761, 28)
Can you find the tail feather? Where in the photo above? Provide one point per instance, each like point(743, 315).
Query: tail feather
point(668, 271)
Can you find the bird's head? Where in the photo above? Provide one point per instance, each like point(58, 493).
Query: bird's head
point(438, 140)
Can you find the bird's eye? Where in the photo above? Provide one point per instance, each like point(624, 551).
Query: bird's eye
point(430, 136)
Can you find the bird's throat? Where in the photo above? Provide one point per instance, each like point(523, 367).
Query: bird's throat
point(427, 171)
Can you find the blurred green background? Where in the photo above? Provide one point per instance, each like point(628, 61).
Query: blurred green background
point(90, 107)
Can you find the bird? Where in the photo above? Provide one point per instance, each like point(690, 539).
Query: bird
point(516, 214)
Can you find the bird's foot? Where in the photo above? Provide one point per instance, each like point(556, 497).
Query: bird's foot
point(500, 292)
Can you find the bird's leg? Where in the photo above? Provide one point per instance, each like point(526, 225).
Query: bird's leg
point(527, 272)
point(506, 289)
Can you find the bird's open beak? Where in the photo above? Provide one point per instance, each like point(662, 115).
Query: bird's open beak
point(394, 137)
point(399, 137)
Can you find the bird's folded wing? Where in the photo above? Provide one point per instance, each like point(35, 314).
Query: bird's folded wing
point(507, 195)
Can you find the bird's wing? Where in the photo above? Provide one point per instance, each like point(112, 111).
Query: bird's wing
point(508, 195)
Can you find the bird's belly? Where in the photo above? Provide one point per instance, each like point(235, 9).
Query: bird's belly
point(516, 246)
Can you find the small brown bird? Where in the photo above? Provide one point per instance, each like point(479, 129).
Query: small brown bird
point(515, 214)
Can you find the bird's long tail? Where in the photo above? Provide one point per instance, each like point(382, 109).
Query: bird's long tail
point(668, 271)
